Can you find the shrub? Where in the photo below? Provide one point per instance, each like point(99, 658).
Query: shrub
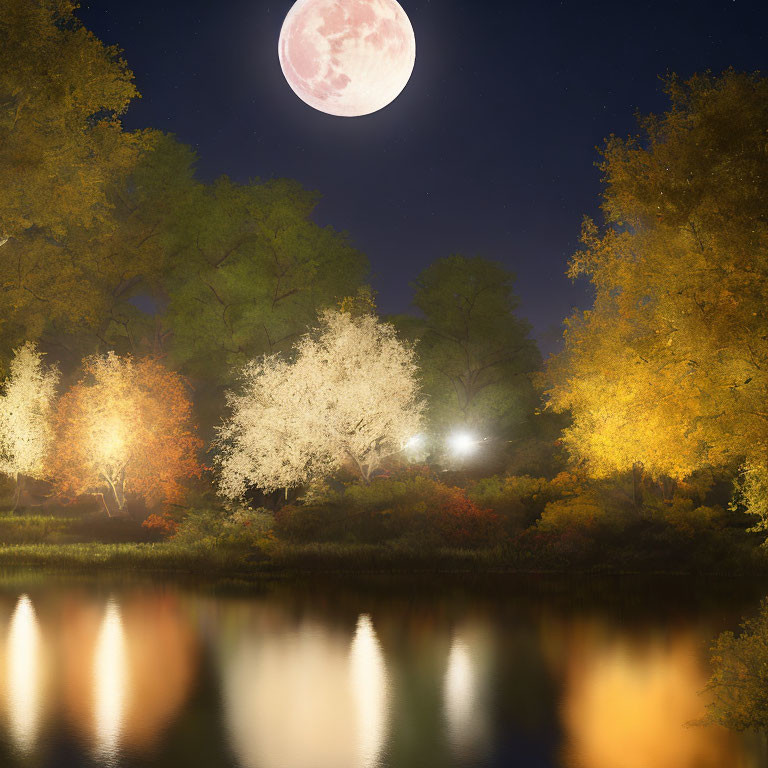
point(688, 519)
point(162, 526)
point(414, 506)
point(520, 501)
point(461, 523)
point(586, 512)
point(214, 527)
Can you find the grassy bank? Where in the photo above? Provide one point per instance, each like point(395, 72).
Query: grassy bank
point(413, 523)
point(280, 558)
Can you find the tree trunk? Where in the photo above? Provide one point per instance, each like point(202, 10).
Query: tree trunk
point(20, 485)
point(116, 494)
point(364, 476)
point(637, 469)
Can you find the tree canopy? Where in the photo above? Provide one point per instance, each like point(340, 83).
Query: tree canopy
point(350, 397)
point(668, 368)
point(63, 152)
point(125, 428)
point(250, 274)
point(475, 353)
point(26, 411)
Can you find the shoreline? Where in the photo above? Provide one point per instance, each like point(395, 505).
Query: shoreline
point(299, 561)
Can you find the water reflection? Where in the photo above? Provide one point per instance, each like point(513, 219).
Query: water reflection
point(465, 713)
point(110, 683)
point(739, 682)
point(459, 692)
point(288, 699)
point(157, 677)
point(628, 700)
point(24, 669)
point(370, 689)
point(305, 696)
point(127, 669)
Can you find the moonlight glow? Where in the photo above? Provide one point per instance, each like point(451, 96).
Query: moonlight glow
point(347, 57)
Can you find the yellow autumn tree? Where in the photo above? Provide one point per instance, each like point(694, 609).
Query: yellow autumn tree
point(669, 368)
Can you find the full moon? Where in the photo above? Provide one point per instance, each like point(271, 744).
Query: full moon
point(347, 57)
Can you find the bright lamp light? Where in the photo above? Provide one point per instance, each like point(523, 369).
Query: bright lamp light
point(462, 443)
point(414, 443)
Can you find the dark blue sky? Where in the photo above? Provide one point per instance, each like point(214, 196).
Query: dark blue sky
point(489, 150)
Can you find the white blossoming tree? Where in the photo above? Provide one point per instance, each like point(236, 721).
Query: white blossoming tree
point(349, 397)
point(26, 410)
point(272, 438)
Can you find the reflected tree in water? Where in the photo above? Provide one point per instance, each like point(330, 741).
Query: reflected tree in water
point(739, 682)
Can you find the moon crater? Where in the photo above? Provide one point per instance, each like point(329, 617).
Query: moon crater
point(347, 57)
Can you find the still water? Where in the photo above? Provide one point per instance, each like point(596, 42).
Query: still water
point(527, 673)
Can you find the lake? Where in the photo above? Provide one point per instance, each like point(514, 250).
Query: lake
point(531, 672)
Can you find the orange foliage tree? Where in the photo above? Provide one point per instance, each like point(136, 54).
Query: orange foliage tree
point(125, 428)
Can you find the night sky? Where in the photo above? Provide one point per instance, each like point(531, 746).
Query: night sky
point(490, 149)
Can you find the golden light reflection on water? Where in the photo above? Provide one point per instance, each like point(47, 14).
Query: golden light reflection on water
point(24, 669)
point(110, 683)
point(126, 671)
point(311, 687)
point(627, 704)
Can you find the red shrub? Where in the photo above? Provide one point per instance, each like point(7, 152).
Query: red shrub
point(461, 523)
point(162, 525)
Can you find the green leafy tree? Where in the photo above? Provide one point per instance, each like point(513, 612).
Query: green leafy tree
point(252, 271)
point(62, 153)
point(475, 353)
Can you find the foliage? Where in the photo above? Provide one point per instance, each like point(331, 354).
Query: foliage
point(216, 527)
point(739, 682)
point(163, 525)
point(361, 303)
point(415, 507)
point(585, 512)
point(26, 411)
point(459, 522)
point(519, 500)
point(251, 272)
point(680, 282)
point(128, 251)
point(752, 491)
point(350, 396)
point(58, 264)
point(125, 428)
point(272, 438)
point(474, 352)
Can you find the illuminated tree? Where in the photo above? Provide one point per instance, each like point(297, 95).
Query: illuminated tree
point(272, 438)
point(26, 410)
point(125, 428)
point(669, 367)
point(350, 397)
